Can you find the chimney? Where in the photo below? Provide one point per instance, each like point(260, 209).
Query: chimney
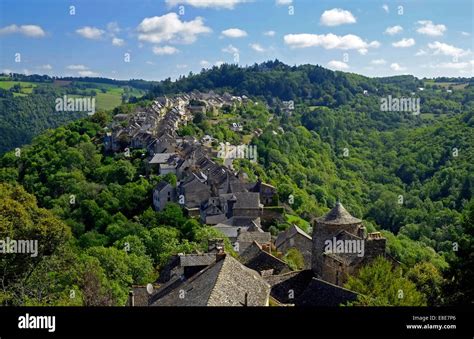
point(131, 298)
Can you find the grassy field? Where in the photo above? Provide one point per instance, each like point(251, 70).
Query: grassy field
point(109, 100)
point(445, 85)
point(26, 87)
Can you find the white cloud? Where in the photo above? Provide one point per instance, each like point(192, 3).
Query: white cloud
point(378, 62)
point(329, 41)
point(165, 50)
point(230, 49)
point(404, 43)
point(113, 27)
point(256, 47)
point(88, 74)
point(181, 66)
point(204, 63)
point(269, 33)
point(90, 32)
point(445, 49)
point(393, 30)
point(47, 67)
point(7, 71)
point(466, 33)
point(77, 67)
point(234, 33)
point(385, 8)
point(169, 27)
point(337, 16)
point(283, 2)
point(338, 65)
point(117, 42)
point(397, 67)
point(226, 4)
point(150, 62)
point(219, 63)
point(421, 52)
point(427, 27)
point(32, 31)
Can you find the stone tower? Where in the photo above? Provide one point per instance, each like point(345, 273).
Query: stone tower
point(339, 227)
point(337, 224)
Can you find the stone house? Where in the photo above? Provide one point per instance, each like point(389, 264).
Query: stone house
point(295, 237)
point(225, 282)
point(163, 194)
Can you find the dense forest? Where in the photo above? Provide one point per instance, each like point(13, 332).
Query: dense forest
point(409, 176)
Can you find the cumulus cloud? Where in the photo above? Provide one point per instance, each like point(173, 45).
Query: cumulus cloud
point(465, 33)
point(336, 17)
point(385, 8)
point(117, 41)
point(404, 43)
point(234, 33)
point(378, 62)
point(46, 67)
point(421, 52)
point(165, 50)
point(89, 32)
point(269, 33)
point(393, 30)
point(230, 49)
point(445, 49)
point(219, 63)
point(329, 41)
point(204, 63)
point(339, 65)
point(32, 31)
point(113, 27)
point(429, 28)
point(225, 4)
point(169, 27)
point(256, 47)
point(397, 67)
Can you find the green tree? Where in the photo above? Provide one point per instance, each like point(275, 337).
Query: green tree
point(379, 284)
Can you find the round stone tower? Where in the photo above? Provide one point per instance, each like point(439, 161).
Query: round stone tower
point(327, 227)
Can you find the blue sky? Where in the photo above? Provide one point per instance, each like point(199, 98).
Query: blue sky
point(157, 39)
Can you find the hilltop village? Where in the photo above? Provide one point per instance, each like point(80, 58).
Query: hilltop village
point(255, 274)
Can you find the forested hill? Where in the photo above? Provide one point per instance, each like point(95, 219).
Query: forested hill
point(274, 79)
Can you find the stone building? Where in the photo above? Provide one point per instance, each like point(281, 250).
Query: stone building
point(163, 194)
point(341, 246)
point(295, 237)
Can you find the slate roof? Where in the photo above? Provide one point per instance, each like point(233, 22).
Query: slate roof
point(224, 283)
point(197, 259)
point(338, 216)
point(260, 260)
point(161, 158)
point(307, 290)
point(162, 184)
point(290, 233)
point(260, 237)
